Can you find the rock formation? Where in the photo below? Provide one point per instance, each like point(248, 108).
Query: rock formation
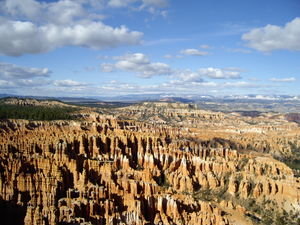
point(105, 170)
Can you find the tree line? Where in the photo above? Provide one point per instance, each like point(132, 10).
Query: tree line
point(35, 112)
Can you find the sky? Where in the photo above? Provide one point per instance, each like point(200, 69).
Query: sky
point(83, 48)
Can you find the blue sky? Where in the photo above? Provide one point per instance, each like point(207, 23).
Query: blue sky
point(118, 47)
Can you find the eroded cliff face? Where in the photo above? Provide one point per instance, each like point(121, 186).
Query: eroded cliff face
point(109, 171)
point(272, 132)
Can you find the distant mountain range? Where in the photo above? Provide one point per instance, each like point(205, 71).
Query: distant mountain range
point(163, 97)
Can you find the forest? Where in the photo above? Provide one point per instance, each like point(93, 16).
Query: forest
point(35, 112)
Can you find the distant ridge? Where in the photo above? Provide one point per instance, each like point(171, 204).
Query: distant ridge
point(167, 97)
point(176, 99)
point(33, 102)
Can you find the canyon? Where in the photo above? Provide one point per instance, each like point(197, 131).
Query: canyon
point(150, 163)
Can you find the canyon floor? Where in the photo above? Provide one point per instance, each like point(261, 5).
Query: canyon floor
point(148, 163)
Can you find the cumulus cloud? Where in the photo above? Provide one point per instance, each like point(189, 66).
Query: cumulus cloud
point(272, 37)
point(11, 71)
point(194, 52)
point(120, 3)
point(155, 7)
point(240, 84)
point(142, 3)
point(189, 76)
point(107, 67)
point(119, 86)
point(13, 75)
point(25, 8)
point(60, 12)
point(141, 65)
point(6, 84)
point(36, 81)
point(24, 83)
point(64, 11)
point(63, 23)
point(18, 38)
point(207, 86)
point(68, 83)
point(288, 79)
point(216, 73)
point(187, 79)
point(188, 52)
point(178, 87)
point(31, 82)
point(138, 63)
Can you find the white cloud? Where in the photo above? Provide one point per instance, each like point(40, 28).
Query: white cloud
point(11, 71)
point(61, 12)
point(18, 38)
point(58, 12)
point(194, 52)
point(189, 80)
point(6, 84)
point(120, 3)
point(272, 37)
point(17, 76)
point(240, 84)
point(27, 80)
point(138, 63)
point(36, 81)
point(27, 8)
point(23, 83)
point(178, 87)
point(64, 11)
point(216, 73)
point(107, 67)
point(189, 76)
point(31, 82)
point(30, 27)
point(68, 83)
point(288, 79)
point(142, 3)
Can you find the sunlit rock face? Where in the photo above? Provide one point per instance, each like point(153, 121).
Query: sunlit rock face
point(105, 170)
